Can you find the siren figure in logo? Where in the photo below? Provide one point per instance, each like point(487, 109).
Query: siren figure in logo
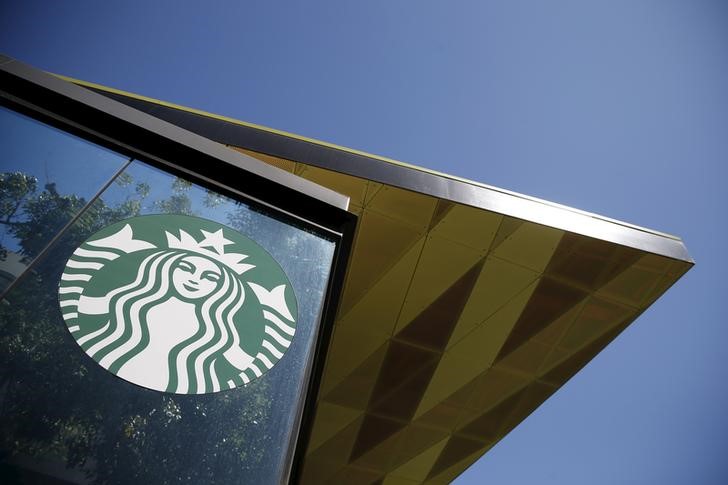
point(171, 326)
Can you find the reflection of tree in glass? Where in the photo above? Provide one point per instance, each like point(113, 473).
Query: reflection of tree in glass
point(14, 188)
point(306, 246)
point(57, 405)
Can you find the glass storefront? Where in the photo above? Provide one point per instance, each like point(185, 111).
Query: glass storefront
point(70, 417)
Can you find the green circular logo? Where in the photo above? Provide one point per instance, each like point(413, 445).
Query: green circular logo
point(178, 304)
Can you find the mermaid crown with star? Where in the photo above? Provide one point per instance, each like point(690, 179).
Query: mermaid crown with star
point(214, 240)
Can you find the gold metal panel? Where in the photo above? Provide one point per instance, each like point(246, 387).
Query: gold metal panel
point(468, 226)
point(632, 287)
point(526, 359)
point(333, 455)
point(456, 324)
point(433, 327)
point(354, 475)
point(552, 334)
point(395, 480)
point(485, 342)
point(380, 243)
point(493, 387)
point(597, 316)
point(417, 468)
point(452, 410)
point(444, 416)
point(473, 355)
point(407, 207)
point(453, 372)
point(350, 346)
point(500, 281)
point(555, 357)
point(457, 451)
point(381, 456)
point(355, 391)
point(402, 379)
point(530, 245)
point(281, 163)
point(441, 264)
point(508, 226)
point(565, 369)
point(530, 399)
point(380, 306)
point(373, 189)
point(663, 284)
point(332, 419)
point(417, 439)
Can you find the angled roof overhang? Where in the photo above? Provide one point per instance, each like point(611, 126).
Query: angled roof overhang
point(464, 307)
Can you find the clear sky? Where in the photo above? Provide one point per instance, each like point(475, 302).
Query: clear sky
point(618, 107)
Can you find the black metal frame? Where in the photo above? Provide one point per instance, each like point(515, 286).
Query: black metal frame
point(138, 135)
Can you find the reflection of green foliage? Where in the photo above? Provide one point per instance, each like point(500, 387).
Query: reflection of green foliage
point(33, 218)
point(179, 201)
point(14, 188)
point(305, 245)
point(57, 404)
point(124, 180)
point(213, 199)
point(175, 204)
point(181, 185)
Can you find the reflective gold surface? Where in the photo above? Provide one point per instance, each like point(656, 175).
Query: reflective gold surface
point(456, 323)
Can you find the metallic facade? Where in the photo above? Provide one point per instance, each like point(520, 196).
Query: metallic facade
point(464, 306)
point(456, 323)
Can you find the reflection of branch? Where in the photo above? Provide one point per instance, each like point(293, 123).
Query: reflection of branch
point(15, 209)
point(10, 223)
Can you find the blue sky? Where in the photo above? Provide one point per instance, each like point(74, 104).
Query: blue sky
point(615, 107)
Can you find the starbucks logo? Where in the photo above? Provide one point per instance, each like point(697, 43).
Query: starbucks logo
point(178, 304)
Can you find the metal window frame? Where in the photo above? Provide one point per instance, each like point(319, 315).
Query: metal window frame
point(138, 135)
point(405, 176)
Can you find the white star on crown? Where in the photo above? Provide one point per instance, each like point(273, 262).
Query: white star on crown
point(215, 240)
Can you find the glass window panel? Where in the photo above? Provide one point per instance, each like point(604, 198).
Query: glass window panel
point(65, 416)
point(46, 177)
